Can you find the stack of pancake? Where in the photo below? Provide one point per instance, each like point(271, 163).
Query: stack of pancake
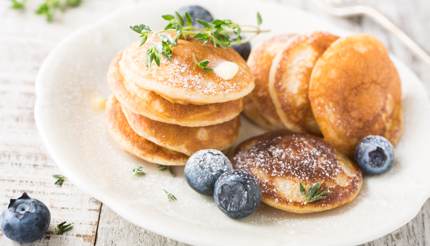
point(342, 88)
point(164, 113)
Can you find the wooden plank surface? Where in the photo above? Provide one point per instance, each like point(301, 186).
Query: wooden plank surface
point(25, 40)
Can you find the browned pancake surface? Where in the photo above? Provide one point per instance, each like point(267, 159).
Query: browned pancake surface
point(136, 145)
point(260, 61)
point(282, 160)
point(289, 80)
point(182, 139)
point(180, 79)
point(252, 113)
point(355, 91)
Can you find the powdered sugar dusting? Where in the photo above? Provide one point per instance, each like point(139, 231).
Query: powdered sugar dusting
point(298, 156)
point(181, 71)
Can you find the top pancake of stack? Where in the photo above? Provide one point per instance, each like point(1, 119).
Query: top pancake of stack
point(180, 80)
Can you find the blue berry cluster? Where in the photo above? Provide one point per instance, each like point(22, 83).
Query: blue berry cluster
point(235, 192)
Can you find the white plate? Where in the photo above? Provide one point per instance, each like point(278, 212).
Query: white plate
point(77, 140)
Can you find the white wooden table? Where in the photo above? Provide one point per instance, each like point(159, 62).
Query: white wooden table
point(25, 41)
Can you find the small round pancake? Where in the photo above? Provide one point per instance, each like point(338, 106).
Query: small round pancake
point(180, 79)
point(260, 61)
point(282, 161)
point(182, 139)
point(136, 145)
point(355, 91)
point(251, 112)
point(289, 80)
point(155, 107)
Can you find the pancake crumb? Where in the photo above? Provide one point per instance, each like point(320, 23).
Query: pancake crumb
point(98, 103)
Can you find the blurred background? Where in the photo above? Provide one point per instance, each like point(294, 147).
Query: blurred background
point(25, 41)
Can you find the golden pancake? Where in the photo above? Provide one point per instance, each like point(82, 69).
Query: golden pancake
point(182, 139)
point(155, 107)
point(289, 80)
point(355, 91)
point(251, 112)
point(260, 61)
point(283, 161)
point(180, 79)
point(136, 145)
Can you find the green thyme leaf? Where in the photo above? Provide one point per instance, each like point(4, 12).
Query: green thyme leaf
point(138, 171)
point(203, 37)
point(259, 19)
point(59, 179)
point(144, 37)
point(143, 30)
point(62, 228)
point(188, 19)
point(302, 189)
point(168, 17)
point(48, 8)
point(73, 3)
point(314, 193)
point(166, 50)
point(170, 196)
point(153, 56)
point(204, 64)
point(167, 44)
point(140, 28)
point(204, 23)
point(170, 26)
point(180, 19)
point(167, 168)
point(18, 4)
point(319, 196)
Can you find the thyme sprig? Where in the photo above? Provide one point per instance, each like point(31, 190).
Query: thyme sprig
point(48, 8)
point(204, 64)
point(138, 171)
point(62, 228)
point(170, 196)
point(219, 32)
point(143, 30)
point(18, 4)
point(314, 193)
point(59, 179)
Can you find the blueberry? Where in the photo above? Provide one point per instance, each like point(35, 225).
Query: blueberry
point(237, 194)
point(197, 13)
point(243, 49)
point(374, 154)
point(203, 169)
point(25, 220)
